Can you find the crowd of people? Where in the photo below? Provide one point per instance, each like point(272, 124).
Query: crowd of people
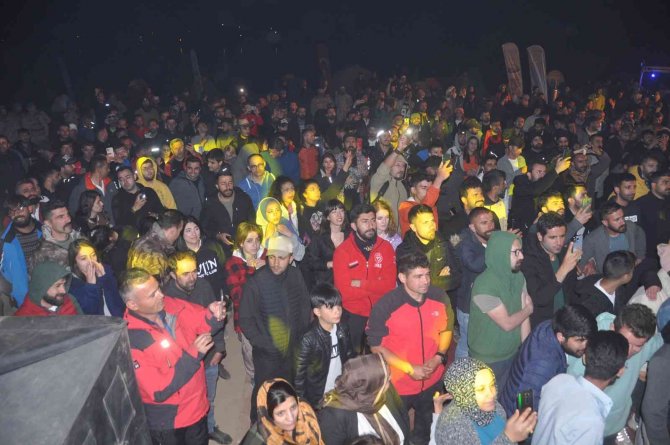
point(401, 263)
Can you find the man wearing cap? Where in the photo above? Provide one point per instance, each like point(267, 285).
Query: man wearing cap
point(48, 293)
point(274, 314)
point(69, 180)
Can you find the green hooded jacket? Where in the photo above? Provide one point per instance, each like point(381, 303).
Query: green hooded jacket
point(487, 341)
point(44, 276)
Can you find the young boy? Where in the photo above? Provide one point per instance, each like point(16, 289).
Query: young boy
point(324, 348)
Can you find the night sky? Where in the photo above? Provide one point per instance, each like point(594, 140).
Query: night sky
point(109, 43)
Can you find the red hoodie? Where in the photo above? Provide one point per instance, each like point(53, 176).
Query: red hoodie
point(30, 309)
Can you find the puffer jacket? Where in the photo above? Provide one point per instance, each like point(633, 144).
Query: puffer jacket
point(189, 195)
point(314, 360)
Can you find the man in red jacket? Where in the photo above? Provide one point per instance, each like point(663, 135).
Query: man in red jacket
point(409, 327)
point(48, 292)
point(364, 270)
point(168, 340)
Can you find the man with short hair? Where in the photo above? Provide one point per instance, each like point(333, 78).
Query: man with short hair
point(364, 269)
point(573, 408)
point(308, 156)
point(258, 182)
point(188, 188)
point(133, 202)
point(527, 188)
point(471, 196)
point(274, 314)
point(543, 355)
point(281, 161)
point(642, 172)
point(637, 323)
point(501, 307)
point(425, 192)
point(224, 212)
point(549, 268)
point(168, 340)
point(624, 194)
point(97, 179)
point(606, 293)
point(655, 212)
point(216, 163)
point(20, 241)
point(409, 327)
point(185, 285)
point(58, 233)
point(495, 185)
point(471, 249)
point(48, 293)
point(152, 249)
point(68, 178)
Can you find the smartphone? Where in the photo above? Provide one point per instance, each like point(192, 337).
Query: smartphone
point(143, 196)
point(524, 400)
point(586, 201)
point(446, 157)
point(110, 151)
point(566, 153)
point(577, 242)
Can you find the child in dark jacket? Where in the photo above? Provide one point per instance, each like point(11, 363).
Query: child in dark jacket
point(325, 347)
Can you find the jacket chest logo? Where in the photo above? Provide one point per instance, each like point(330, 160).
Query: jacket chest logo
point(379, 258)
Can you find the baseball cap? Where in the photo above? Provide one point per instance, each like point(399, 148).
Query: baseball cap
point(279, 246)
point(64, 160)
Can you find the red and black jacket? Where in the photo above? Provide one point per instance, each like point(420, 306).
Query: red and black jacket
point(411, 330)
point(168, 367)
point(376, 274)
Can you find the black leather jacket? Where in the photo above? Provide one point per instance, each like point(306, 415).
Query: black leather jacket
point(314, 360)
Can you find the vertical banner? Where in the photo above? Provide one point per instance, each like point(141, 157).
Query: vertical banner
point(323, 61)
point(513, 66)
point(197, 78)
point(538, 68)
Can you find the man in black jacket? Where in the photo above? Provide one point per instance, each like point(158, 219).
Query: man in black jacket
point(549, 271)
point(185, 284)
point(225, 211)
point(606, 292)
point(274, 315)
point(528, 187)
point(325, 348)
point(133, 202)
point(655, 212)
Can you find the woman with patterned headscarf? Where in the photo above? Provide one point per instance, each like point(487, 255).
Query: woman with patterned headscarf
point(283, 419)
point(364, 402)
point(475, 416)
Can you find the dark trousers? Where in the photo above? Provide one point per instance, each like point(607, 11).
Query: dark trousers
point(195, 434)
point(501, 370)
point(268, 367)
point(423, 413)
point(356, 325)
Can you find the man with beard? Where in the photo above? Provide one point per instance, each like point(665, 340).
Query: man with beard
point(500, 309)
point(147, 175)
point(624, 195)
point(188, 188)
point(48, 293)
point(549, 268)
point(637, 323)
point(20, 241)
point(537, 152)
point(133, 202)
point(470, 250)
point(494, 185)
point(364, 269)
point(642, 172)
point(543, 355)
point(185, 285)
point(471, 196)
point(655, 212)
point(223, 214)
point(588, 163)
point(58, 235)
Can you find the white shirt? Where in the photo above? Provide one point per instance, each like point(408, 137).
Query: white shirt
point(611, 297)
point(335, 368)
point(364, 426)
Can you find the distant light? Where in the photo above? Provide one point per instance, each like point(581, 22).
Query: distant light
point(653, 75)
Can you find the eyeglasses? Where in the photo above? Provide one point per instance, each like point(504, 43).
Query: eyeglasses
point(516, 252)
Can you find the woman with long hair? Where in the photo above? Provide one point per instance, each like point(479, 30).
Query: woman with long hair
point(248, 255)
point(386, 224)
point(210, 255)
point(91, 212)
point(269, 217)
point(283, 190)
point(318, 264)
point(364, 402)
point(471, 159)
point(283, 418)
point(93, 284)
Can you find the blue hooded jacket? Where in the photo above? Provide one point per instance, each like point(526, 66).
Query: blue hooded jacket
point(14, 267)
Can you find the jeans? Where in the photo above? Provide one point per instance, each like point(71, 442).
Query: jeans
point(211, 378)
point(423, 413)
point(195, 434)
point(462, 345)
